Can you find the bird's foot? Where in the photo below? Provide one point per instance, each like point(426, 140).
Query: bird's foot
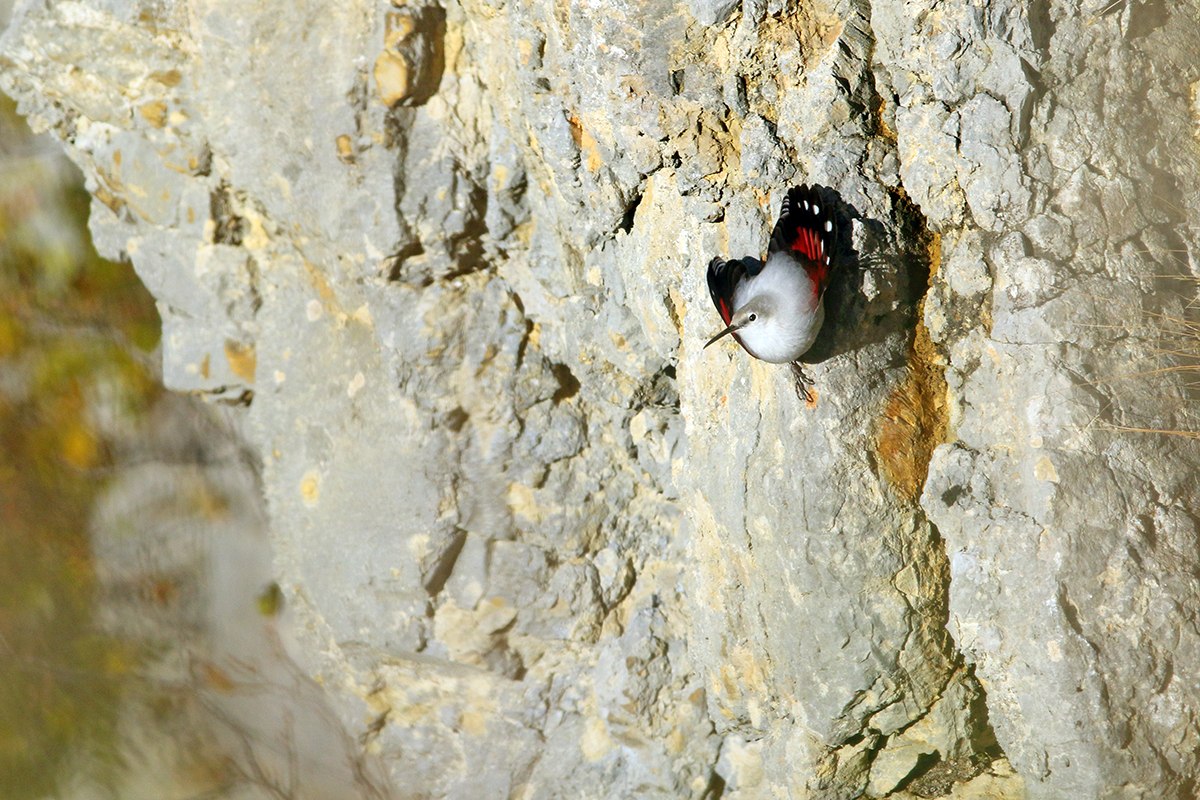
point(802, 383)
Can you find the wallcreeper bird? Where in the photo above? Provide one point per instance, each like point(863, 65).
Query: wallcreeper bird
point(775, 308)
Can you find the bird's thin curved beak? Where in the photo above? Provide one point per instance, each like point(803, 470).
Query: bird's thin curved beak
point(730, 329)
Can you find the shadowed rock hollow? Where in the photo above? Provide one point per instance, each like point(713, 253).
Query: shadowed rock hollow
point(537, 542)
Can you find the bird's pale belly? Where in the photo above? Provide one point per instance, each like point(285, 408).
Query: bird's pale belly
point(778, 342)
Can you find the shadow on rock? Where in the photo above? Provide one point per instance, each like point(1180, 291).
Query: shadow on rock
point(873, 296)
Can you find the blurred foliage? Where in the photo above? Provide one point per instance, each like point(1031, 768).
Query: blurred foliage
point(270, 600)
point(75, 331)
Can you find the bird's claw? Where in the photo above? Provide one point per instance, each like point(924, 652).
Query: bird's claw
point(802, 382)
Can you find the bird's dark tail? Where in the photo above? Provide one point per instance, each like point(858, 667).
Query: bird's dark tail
point(723, 278)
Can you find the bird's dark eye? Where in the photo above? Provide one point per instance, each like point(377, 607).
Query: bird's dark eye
point(753, 317)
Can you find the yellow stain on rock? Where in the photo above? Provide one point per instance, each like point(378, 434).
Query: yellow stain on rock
point(155, 113)
point(525, 51)
point(523, 502)
point(915, 420)
point(257, 237)
point(114, 203)
point(729, 687)
point(242, 359)
point(392, 78)
point(474, 723)
point(1044, 470)
point(586, 144)
point(677, 308)
point(310, 487)
point(595, 742)
point(170, 78)
point(397, 28)
point(499, 177)
point(345, 149)
point(324, 291)
point(742, 677)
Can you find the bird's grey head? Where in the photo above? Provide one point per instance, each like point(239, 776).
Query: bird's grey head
point(754, 313)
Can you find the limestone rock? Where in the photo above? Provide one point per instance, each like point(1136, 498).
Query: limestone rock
point(456, 270)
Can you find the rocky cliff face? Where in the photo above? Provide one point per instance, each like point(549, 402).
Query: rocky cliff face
point(536, 541)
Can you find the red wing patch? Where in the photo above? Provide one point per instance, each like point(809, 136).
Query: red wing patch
point(816, 264)
point(806, 227)
point(725, 311)
point(809, 244)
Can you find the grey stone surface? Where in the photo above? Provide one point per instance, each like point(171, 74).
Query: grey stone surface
point(540, 543)
point(1049, 506)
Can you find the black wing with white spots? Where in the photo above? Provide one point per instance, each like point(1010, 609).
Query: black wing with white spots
point(806, 228)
